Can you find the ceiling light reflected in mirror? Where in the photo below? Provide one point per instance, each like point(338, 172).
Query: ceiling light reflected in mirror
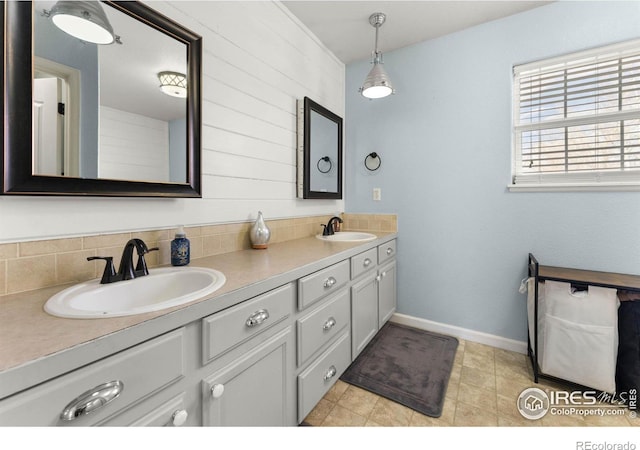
point(86, 21)
point(173, 84)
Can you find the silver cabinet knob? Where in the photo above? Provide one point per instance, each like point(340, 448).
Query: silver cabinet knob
point(217, 390)
point(329, 282)
point(179, 417)
point(389, 251)
point(257, 318)
point(378, 278)
point(330, 373)
point(92, 400)
point(366, 262)
point(330, 323)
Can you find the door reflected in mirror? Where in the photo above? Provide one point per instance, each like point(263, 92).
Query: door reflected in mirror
point(319, 152)
point(98, 110)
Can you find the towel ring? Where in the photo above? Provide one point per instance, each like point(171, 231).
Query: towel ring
point(373, 161)
point(325, 159)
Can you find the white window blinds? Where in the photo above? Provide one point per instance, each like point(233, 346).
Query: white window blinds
point(577, 119)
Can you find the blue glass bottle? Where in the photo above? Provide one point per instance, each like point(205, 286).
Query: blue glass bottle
point(180, 249)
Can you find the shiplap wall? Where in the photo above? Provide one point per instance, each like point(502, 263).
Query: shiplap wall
point(132, 147)
point(258, 59)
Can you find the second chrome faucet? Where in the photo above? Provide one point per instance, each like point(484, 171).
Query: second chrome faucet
point(127, 270)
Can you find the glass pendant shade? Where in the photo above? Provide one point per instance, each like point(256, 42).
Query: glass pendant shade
point(84, 20)
point(173, 84)
point(377, 83)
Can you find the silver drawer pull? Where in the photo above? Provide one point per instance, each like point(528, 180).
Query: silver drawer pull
point(330, 323)
point(378, 278)
point(329, 282)
point(92, 400)
point(389, 251)
point(366, 262)
point(330, 373)
point(257, 318)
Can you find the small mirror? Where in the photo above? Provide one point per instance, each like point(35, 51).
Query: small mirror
point(319, 151)
point(107, 119)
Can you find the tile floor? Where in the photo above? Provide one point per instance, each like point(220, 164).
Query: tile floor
point(484, 386)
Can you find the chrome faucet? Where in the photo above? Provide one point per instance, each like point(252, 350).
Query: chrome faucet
point(329, 228)
point(127, 270)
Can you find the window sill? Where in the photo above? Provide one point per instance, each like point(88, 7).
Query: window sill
point(575, 187)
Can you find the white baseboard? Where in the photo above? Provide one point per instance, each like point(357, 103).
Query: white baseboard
point(462, 333)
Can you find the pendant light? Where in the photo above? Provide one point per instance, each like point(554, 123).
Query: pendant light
point(86, 21)
point(377, 84)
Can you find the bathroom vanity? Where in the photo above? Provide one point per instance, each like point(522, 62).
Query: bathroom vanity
point(262, 351)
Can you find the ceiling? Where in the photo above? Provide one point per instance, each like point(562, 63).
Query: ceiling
point(343, 26)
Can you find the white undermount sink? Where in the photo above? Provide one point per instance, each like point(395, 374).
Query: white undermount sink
point(348, 236)
point(163, 288)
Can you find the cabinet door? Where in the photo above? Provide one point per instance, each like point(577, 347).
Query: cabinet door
point(255, 389)
point(364, 313)
point(387, 297)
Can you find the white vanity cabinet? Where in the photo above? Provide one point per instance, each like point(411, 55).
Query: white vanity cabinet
point(373, 294)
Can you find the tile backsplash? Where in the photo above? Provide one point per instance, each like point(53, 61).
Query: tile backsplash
point(25, 266)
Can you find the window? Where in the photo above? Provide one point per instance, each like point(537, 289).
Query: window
point(577, 121)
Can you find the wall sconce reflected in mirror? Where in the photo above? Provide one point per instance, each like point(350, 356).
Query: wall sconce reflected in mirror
point(86, 21)
point(372, 161)
point(324, 165)
point(173, 84)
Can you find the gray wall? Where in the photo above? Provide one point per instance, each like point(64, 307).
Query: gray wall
point(445, 143)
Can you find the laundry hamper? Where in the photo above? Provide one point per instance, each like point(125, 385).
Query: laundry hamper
point(531, 315)
point(580, 334)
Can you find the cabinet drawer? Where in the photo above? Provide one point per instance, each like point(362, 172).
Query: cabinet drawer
point(320, 376)
point(386, 251)
point(143, 370)
point(315, 286)
point(320, 326)
point(363, 262)
point(170, 414)
point(159, 410)
point(228, 329)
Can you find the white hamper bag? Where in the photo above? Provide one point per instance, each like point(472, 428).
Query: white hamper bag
point(581, 335)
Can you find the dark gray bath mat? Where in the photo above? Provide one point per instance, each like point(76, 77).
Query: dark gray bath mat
point(406, 365)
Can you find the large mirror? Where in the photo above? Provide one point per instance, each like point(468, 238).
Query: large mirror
point(319, 152)
point(116, 119)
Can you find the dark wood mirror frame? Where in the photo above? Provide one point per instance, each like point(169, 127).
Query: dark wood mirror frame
point(17, 175)
point(309, 106)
